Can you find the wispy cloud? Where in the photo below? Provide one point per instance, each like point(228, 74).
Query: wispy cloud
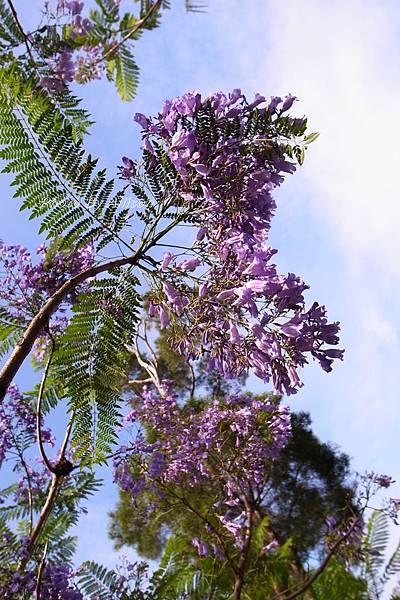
point(339, 218)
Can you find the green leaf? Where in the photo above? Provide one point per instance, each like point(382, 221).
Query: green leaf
point(127, 74)
point(309, 139)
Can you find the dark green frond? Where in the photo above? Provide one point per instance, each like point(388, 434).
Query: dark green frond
point(10, 34)
point(126, 74)
point(92, 359)
point(100, 583)
point(41, 143)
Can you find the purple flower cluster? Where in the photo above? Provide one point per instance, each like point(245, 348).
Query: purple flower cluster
point(70, 61)
point(57, 583)
point(351, 533)
point(230, 441)
point(25, 285)
point(238, 309)
point(17, 418)
point(13, 583)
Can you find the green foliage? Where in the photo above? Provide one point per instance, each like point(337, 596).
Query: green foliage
point(126, 74)
point(127, 527)
point(375, 571)
point(10, 333)
point(100, 583)
point(91, 360)
point(42, 146)
point(306, 484)
point(121, 66)
point(337, 583)
point(309, 482)
point(10, 35)
point(66, 512)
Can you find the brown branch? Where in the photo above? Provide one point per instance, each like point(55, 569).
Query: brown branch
point(64, 445)
point(139, 381)
point(40, 572)
point(193, 380)
point(322, 566)
point(41, 319)
point(131, 32)
point(44, 515)
point(185, 502)
point(43, 454)
point(60, 470)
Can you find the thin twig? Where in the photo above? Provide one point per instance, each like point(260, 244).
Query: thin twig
point(322, 566)
point(206, 521)
point(193, 381)
point(131, 32)
point(44, 514)
point(140, 381)
point(43, 454)
point(241, 571)
point(40, 571)
point(52, 493)
point(64, 445)
point(18, 23)
point(41, 319)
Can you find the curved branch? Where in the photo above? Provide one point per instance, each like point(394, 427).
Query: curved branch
point(131, 31)
point(40, 571)
point(20, 454)
point(322, 566)
point(43, 454)
point(18, 24)
point(44, 514)
point(41, 319)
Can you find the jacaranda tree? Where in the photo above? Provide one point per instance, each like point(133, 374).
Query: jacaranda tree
point(208, 167)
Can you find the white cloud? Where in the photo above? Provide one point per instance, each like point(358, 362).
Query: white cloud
point(340, 218)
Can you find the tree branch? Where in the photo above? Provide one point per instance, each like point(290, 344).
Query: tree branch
point(18, 23)
point(41, 319)
point(131, 31)
point(59, 471)
point(44, 514)
point(40, 571)
point(43, 454)
point(239, 577)
point(322, 566)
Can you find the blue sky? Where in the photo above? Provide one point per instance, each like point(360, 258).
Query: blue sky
point(337, 223)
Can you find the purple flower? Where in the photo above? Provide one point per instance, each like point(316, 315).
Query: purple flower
point(234, 334)
point(164, 317)
point(228, 183)
point(288, 102)
point(129, 168)
point(275, 101)
point(141, 119)
point(189, 265)
point(384, 481)
point(201, 547)
point(194, 446)
point(271, 547)
point(168, 256)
